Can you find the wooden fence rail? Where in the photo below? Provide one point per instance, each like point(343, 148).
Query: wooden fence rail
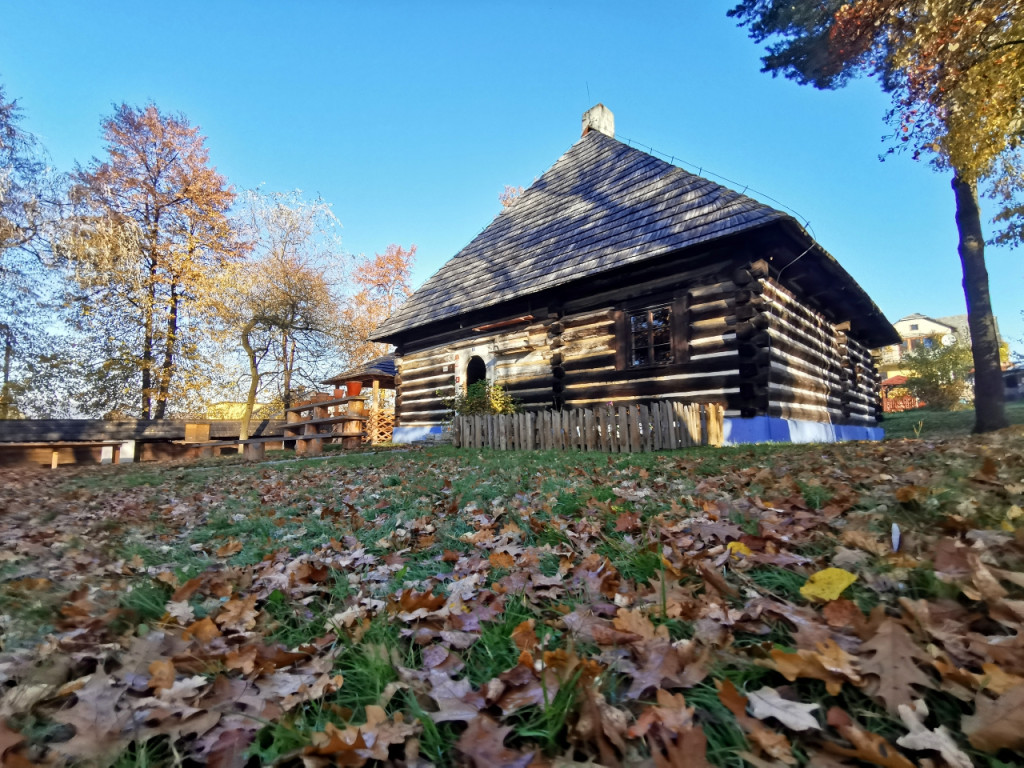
point(660, 426)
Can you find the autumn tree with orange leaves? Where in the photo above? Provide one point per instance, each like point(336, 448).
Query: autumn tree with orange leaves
point(383, 282)
point(955, 71)
point(150, 232)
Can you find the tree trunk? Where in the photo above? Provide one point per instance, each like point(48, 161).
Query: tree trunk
point(6, 406)
point(989, 395)
point(167, 367)
point(254, 382)
point(286, 384)
point(147, 343)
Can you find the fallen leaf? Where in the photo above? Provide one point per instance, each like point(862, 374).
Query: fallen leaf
point(869, 747)
point(921, 739)
point(483, 743)
point(161, 674)
point(997, 723)
point(827, 584)
point(766, 702)
point(889, 660)
point(232, 547)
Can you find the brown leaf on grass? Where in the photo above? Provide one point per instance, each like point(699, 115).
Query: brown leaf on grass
point(602, 724)
point(243, 659)
point(637, 623)
point(687, 750)
point(483, 744)
point(713, 578)
point(997, 723)
point(186, 590)
point(345, 747)
point(772, 743)
point(101, 724)
point(843, 613)
point(890, 660)
point(161, 674)
point(627, 521)
point(921, 738)
point(230, 748)
point(204, 630)
point(865, 541)
point(806, 664)
point(525, 636)
point(671, 712)
point(413, 605)
point(502, 560)
point(232, 547)
point(658, 666)
point(238, 615)
point(869, 747)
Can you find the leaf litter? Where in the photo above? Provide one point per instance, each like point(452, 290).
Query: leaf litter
point(747, 606)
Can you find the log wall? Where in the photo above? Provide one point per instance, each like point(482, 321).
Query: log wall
point(747, 343)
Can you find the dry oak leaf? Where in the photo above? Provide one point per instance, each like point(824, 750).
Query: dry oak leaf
point(502, 560)
point(161, 674)
point(483, 743)
point(869, 747)
point(891, 658)
point(689, 750)
point(602, 724)
point(939, 740)
point(671, 712)
point(766, 702)
point(203, 630)
point(525, 636)
point(232, 547)
point(997, 723)
point(635, 621)
point(827, 584)
point(101, 727)
point(238, 615)
point(773, 744)
point(806, 664)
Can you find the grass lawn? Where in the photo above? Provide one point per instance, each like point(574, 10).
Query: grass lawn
point(475, 608)
point(927, 423)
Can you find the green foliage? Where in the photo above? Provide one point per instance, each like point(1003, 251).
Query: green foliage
point(483, 397)
point(939, 375)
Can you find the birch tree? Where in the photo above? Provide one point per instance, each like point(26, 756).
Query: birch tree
point(150, 232)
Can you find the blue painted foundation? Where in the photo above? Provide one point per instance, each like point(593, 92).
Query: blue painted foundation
point(769, 429)
point(415, 434)
point(760, 429)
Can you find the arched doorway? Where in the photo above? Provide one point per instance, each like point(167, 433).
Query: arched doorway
point(476, 370)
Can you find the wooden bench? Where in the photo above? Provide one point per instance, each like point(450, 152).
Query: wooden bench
point(255, 447)
point(306, 431)
point(111, 451)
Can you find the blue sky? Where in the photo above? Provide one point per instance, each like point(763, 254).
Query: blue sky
point(410, 117)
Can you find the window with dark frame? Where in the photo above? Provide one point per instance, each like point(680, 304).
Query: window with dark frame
point(650, 336)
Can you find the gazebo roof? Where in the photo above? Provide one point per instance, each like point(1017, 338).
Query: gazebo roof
point(381, 370)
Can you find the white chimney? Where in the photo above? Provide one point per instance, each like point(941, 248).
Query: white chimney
point(599, 118)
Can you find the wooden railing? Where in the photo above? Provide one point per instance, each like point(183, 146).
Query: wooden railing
point(308, 430)
point(663, 425)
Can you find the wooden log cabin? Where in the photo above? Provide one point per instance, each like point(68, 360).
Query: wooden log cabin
point(618, 277)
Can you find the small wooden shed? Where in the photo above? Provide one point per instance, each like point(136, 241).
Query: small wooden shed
point(619, 277)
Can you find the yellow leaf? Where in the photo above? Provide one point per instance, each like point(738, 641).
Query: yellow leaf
point(738, 548)
point(827, 584)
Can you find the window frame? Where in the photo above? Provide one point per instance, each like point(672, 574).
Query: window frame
point(678, 305)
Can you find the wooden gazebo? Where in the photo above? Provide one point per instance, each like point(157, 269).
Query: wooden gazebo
point(376, 375)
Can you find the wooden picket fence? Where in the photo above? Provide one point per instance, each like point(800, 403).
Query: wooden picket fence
point(660, 426)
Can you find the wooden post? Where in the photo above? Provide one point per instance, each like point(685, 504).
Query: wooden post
point(256, 451)
point(295, 417)
point(351, 429)
point(54, 458)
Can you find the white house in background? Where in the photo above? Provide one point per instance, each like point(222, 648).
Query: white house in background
point(918, 331)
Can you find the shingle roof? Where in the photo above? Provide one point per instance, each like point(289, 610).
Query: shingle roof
point(602, 205)
point(380, 368)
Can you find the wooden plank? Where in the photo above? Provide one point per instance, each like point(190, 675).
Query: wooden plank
point(632, 441)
